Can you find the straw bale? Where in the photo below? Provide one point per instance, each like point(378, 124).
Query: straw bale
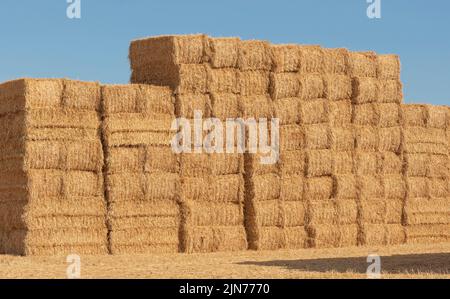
point(342, 139)
point(292, 137)
point(223, 80)
point(292, 188)
point(427, 211)
point(438, 117)
point(337, 87)
point(81, 95)
point(438, 187)
point(319, 188)
point(365, 90)
point(294, 213)
point(284, 85)
point(319, 163)
point(311, 59)
point(366, 115)
point(213, 239)
point(135, 98)
point(62, 134)
point(225, 105)
point(189, 79)
point(379, 211)
point(62, 118)
point(390, 139)
point(366, 163)
point(311, 86)
point(139, 236)
point(314, 111)
point(345, 187)
point(371, 186)
point(324, 236)
point(287, 110)
point(417, 164)
point(143, 222)
point(339, 212)
point(390, 163)
point(268, 213)
point(223, 52)
point(389, 91)
point(388, 66)
point(256, 106)
point(335, 61)
point(292, 162)
point(254, 55)
point(438, 166)
point(186, 105)
point(317, 137)
point(213, 213)
point(429, 233)
point(265, 187)
point(285, 58)
point(366, 138)
point(389, 114)
point(271, 238)
point(226, 188)
point(394, 186)
point(347, 211)
point(75, 155)
point(176, 49)
point(12, 96)
point(414, 115)
point(129, 186)
point(253, 166)
point(418, 187)
point(296, 237)
point(254, 82)
point(362, 64)
point(381, 234)
point(343, 163)
point(152, 208)
point(340, 113)
point(43, 93)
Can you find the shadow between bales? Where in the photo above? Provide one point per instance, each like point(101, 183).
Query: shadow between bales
point(438, 263)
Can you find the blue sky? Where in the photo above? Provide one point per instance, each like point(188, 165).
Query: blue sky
point(38, 40)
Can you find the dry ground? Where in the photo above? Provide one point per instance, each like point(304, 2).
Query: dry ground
point(406, 261)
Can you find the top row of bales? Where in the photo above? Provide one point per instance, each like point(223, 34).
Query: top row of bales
point(188, 63)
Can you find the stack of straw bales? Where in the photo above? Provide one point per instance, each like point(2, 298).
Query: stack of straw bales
point(377, 98)
point(142, 172)
point(203, 76)
point(51, 198)
point(426, 148)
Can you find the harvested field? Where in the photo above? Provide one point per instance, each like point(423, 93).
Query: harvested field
point(404, 261)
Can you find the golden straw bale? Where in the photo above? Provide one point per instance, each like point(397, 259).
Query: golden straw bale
point(366, 115)
point(427, 211)
point(186, 105)
point(317, 137)
point(152, 208)
point(382, 234)
point(388, 66)
point(285, 58)
point(265, 187)
point(389, 91)
point(345, 186)
point(390, 163)
point(319, 163)
point(319, 188)
point(292, 137)
point(294, 213)
point(342, 139)
point(225, 188)
point(335, 61)
point(389, 114)
point(371, 187)
point(124, 249)
point(271, 238)
point(418, 187)
point(311, 86)
point(287, 110)
point(296, 237)
point(213, 213)
point(429, 233)
point(254, 83)
point(311, 59)
point(256, 106)
point(268, 213)
point(438, 187)
point(366, 138)
point(254, 167)
point(292, 187)
point(365, 90)
point(284, 85)
point(314, 111)
point(362, 64)
point(337, 87)
point(223, 52)
point(224, 80)
point(394, 186)
point(438, 117)
point(139, 237)
point(390, 139)
point(414, 115)
point(340, 113)
point(292, 162)
point(326, 236)
point(254, 55)
point(225, 105)
point(344, 163)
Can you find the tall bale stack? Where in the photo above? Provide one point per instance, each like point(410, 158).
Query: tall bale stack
point(377, 98)
point(286, 219)
point(51, 198)
point(142, 173)
point(203, 74)
point(426, 148)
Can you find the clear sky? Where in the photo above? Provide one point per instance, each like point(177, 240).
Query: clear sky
point(39, 40)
